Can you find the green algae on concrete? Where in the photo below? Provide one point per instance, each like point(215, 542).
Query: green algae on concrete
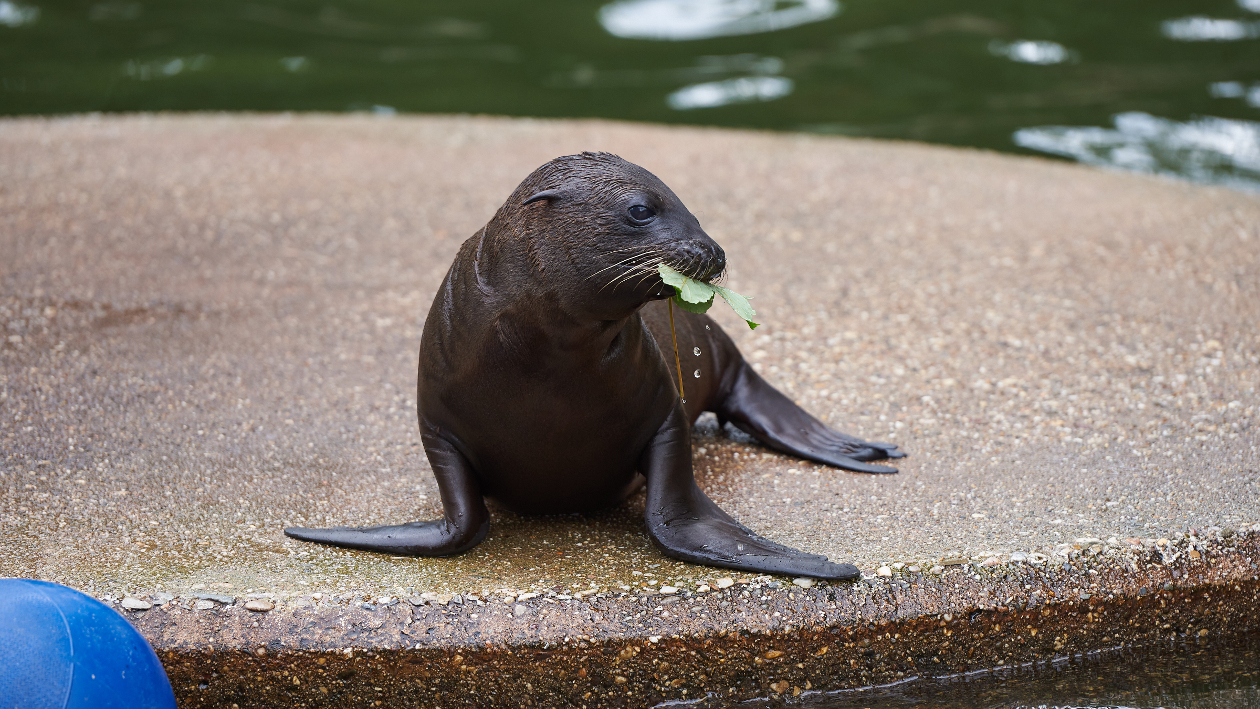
point(211, 326)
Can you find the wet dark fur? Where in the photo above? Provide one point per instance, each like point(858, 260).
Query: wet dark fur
point(546, 376)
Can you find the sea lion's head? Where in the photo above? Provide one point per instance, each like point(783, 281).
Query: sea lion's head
point(593, 228)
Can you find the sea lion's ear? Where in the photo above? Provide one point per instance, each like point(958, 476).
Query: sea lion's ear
point(545, 194)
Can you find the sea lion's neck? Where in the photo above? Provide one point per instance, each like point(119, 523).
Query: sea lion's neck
point(512, 283)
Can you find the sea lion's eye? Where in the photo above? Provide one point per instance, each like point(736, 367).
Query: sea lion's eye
point(639, 213)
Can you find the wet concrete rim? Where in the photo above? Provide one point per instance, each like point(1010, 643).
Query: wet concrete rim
point(873, 633)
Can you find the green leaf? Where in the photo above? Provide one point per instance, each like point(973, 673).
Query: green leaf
point(697, 308)
point(670, 276)
point(739, 304)
point(697, 296)
point(696, 291)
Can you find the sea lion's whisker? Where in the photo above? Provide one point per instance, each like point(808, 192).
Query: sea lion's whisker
point(624, 260)
point(631, 271)
point(643, 269)
point(630, 268)
point(649, 248)
point(647, 275)
point(632, 247)
point(644, 251)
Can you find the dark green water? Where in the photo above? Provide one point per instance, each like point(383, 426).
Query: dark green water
point(1156, 85)
point(1186, 676)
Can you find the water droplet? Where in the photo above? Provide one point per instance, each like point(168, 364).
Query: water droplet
point(696, 351)
point(697, 374)
point(706, 327)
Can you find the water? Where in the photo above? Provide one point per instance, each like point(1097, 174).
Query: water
point(1158, 86)
point(1165, 86)
point(1184, 677)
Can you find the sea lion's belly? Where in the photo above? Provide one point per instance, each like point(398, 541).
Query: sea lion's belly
point(564, 439)
point(552, 469)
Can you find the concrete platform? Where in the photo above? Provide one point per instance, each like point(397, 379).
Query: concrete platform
point(210, 333)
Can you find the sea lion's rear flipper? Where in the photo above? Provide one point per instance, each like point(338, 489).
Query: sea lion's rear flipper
point(687, 525)
point(763, 412)
point(463, 526)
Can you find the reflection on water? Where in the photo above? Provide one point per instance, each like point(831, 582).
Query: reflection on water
point(702, 19)
point(1212, 150)
point(1030, 52)
point(164, 68)
point(723, 93)
point(1208, 29)
point(1235, 89)
point(295, 64)
point(14, 14)
point(114, 11)
point(1189, 676)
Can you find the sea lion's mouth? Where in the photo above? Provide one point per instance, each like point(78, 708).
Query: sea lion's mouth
point(637, 267)
point(702, 267)
point(706, 273)
point(702, 276)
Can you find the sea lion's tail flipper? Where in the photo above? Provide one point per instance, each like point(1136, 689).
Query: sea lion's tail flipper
point(435, 538)
point(686, 525)
point(763, 412)
point(464, 526)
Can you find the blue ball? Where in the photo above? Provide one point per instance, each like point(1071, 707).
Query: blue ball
point(61, 649)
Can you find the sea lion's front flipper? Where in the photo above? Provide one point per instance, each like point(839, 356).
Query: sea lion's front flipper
point(763, 412)
point(687, 525)
point(463, 526)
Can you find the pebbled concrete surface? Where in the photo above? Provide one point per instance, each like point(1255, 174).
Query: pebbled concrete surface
point(210, 326)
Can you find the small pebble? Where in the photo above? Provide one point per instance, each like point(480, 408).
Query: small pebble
point(884, 571)
point(224, 599)
point(1019, 556)
point(259, 605)
point(991, 561)
point(668, 590)
point(519, 610)
point(726, 582)
point(804, 582)
point(938, 569)
point(203, 605)
point(914, 569)
point(135, 604)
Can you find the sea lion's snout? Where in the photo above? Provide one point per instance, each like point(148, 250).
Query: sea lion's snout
point(701, 259)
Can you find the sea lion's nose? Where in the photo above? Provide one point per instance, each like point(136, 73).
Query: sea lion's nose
point(701, 260)
point(719, 261)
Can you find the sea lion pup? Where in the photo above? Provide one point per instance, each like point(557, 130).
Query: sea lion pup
point(546, 377)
